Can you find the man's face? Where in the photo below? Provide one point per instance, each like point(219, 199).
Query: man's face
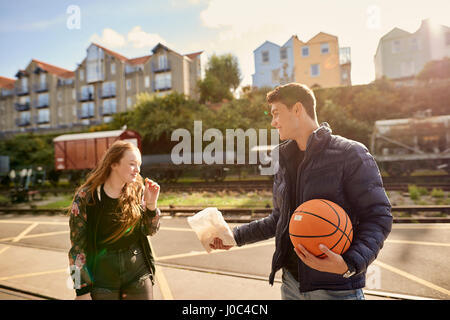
point(284, 120)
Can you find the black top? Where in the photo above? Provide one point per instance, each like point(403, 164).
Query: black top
point(294, 171)
point(108, 209)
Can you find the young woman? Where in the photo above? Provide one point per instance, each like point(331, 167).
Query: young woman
point(111, 216)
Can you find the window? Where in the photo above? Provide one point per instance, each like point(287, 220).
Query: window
point(395, 46)
point(24, 84)
point(265, 56)
point(43, 99)
point(283, 53)
point(24, 100)
point(59, 96)
point(163, 63)
point(60, 112)
point(81, 74)
point(113, 68)
point(109, 89)
point(129, 102)
point(87, 92)
point(305, 51)
point(128, 84)
point(147, 81)
point(43, 116)
point(415, 44)
point(163, 81)
point(42, 80)
point(73, 94)
point(94, 64)
point(25, 117)
point(324, 48)
point(109, 106)
point(87, 110)
point(315, 70)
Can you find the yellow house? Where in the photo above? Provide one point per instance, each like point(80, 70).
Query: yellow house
point(316, 62)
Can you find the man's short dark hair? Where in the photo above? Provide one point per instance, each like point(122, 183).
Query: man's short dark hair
point(291, 93)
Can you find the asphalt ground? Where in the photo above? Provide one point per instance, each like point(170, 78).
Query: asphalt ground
point(414, 263)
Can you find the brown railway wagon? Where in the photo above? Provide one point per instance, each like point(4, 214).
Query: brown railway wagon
point(83, 150)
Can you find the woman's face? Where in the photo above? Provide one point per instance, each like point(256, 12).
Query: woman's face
point(129, 166)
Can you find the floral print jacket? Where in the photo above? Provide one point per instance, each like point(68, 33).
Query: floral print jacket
point(79, 238)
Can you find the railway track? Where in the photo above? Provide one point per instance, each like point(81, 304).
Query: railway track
point(415, 214)
point(391, 184)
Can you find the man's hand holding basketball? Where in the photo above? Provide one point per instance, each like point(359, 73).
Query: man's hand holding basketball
point(333, 262)
point(218, 244)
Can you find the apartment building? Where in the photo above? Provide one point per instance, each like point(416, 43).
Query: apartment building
point(318, 62)
point(38, 99)
point(401, 55)
point(7, 103)
point(47, 98)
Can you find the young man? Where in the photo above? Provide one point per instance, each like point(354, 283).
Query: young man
point(314, 164)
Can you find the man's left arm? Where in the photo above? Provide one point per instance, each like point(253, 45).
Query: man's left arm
point(363, 187)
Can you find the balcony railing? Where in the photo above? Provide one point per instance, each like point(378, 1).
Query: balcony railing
point(67, 82)
point(22, 122)
point(21, 91)
point(40, 87)
point(107, 93)
point(156, 67)
point(40, 104)
point(164, 86)
point(22, 106)
point(86, 97)
point(107, 111)
point(6, 93)
point(42, 121)
point(133, 69)
point(86, 116)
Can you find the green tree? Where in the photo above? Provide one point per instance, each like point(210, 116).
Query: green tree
point(222, 75)
point(436, 69)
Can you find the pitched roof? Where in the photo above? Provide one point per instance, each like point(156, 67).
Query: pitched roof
point(6, 83)
point(321, 33)
point(110, 52)
point(60, 72)
point(139, 60)
point(193, 55)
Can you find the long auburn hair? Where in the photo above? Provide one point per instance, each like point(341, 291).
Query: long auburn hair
point(130, 197)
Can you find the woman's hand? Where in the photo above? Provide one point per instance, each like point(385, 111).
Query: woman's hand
point(151, 194)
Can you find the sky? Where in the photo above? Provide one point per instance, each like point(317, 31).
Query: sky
point(59, 32)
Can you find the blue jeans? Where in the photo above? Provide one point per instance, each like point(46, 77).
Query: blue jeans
point(122, 275)
point(290, 291)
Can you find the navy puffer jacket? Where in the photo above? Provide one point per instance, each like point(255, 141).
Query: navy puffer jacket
point(342, 171)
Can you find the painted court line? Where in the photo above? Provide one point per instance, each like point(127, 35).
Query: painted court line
point(27, 275)
point(412, 277)
point(24, 232)
point(37, 235)
point(199, 253)
point(425, 243)
point(40, 222)
point(4, 249)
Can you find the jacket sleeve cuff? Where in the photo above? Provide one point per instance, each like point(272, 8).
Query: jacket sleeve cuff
point(83, 290)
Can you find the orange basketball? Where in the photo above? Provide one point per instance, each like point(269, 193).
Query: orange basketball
point(321, 221)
